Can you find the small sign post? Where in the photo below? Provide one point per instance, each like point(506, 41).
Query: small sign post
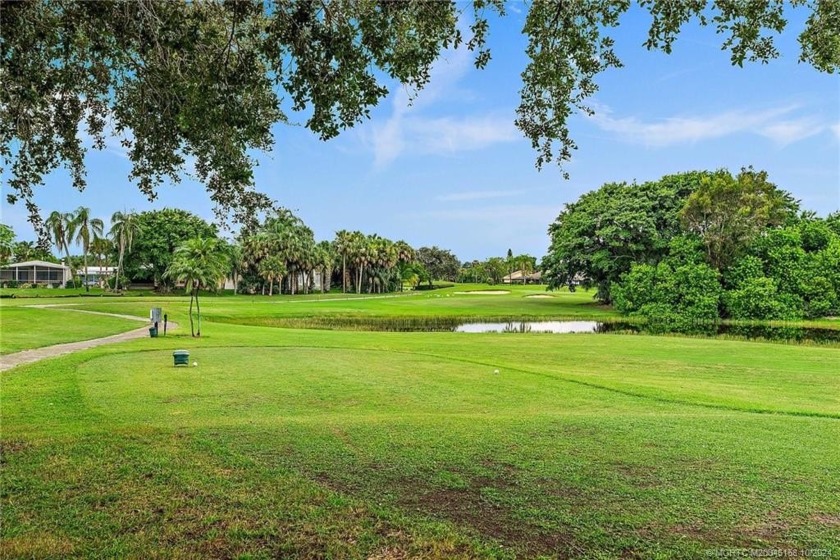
point(155, 316)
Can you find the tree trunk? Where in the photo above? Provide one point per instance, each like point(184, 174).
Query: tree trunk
point(119, 268)
point(343, 274)
point(67, 262)
point(87, 286)
point(198, 311)
point(192, 329)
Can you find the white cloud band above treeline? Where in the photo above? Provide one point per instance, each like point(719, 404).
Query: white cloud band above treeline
point(438, 136)
point(407, 130)
point(777, 124)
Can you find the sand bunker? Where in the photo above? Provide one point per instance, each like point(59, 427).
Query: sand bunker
point(540, 296)
point(484, 293)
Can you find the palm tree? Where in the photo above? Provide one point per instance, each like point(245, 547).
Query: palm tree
point(255, 247)
point(199, 263)
point(359, 254)
point(325, 262)
point(59, 225)
point(272, 269)
point(84, 229)
point(342, 247)
point(101, 248)
point(405, 256)
point(237, 263)
point(24, 251)
point(124, 226)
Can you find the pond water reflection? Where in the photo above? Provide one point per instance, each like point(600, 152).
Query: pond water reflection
point(563, 327)
point(751, 332)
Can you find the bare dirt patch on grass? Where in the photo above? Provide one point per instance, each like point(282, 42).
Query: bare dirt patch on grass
point(827, 519)
point(470, 508)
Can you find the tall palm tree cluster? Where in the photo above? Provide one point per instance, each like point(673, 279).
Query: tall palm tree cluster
point(80, 228)
point(371, 263)
point(281, 256)
point(282, 252)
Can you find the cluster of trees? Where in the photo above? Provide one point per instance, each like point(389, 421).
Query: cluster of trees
point(698, 247)
point(13, 250)
point(494, 269)
point(278, 254)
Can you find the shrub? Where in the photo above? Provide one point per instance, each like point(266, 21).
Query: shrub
point(687, 294)
point(124, 282)
point(759, 298)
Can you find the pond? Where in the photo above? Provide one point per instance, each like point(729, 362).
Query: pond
point(475, 325)
point(750, 332)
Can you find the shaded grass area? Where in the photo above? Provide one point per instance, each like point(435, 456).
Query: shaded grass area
point(26, 328)
point(296, 443)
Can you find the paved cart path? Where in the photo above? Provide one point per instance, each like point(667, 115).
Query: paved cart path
point(28, 356)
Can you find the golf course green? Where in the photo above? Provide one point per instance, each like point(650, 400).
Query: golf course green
point(280, 442)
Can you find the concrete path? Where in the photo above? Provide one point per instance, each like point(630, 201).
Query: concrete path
point(28, 356)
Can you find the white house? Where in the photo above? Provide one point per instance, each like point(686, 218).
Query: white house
point(96, 275)
point(518, 277)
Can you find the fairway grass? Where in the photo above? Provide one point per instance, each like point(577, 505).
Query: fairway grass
point(331, 444)
point(25, 328)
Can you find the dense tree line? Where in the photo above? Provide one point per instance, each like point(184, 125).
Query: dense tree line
point(277, 254)
point(698, 247)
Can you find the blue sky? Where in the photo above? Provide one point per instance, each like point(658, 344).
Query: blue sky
point(452, 170)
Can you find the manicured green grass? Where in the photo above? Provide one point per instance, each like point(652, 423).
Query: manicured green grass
point(28, 293)
point(25, 328)
point(329, 444)
point(302, 309)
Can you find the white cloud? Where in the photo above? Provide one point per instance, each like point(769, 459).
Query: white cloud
point(836, 129)
point(770, 123)
point(439, 136)
point(409, 130)
point(788, 132)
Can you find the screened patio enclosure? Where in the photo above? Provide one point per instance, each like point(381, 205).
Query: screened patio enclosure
point(35, 272)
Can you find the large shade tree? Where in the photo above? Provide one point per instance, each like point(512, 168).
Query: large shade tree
point(159, 233)
point(202, 81)
point(440, 264)
point(729, 212)
point(597, 238)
